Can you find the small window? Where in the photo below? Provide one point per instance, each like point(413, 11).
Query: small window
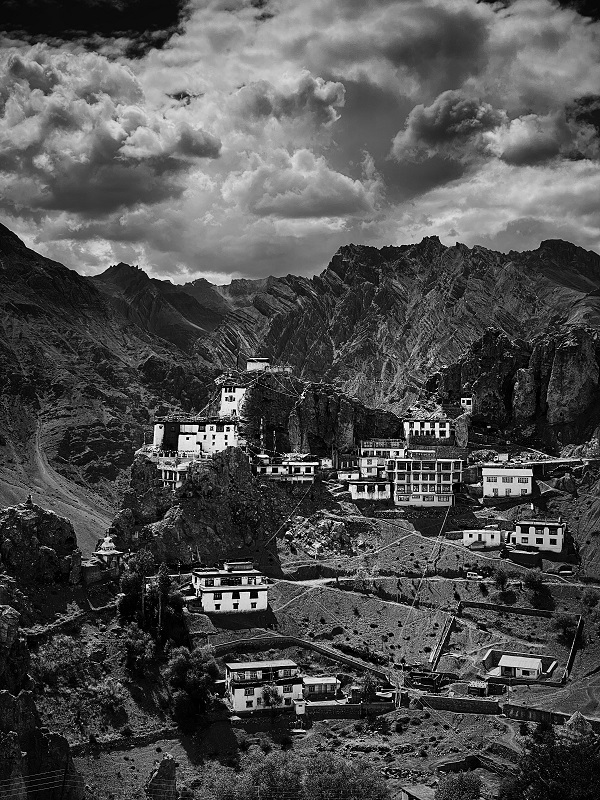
point(236, 606)
point(249, 692)
point(218, 595)
point(235, 595)
point(288, 688)
point(252, 605)
point(552, 541)
point(539, 541)
point(254, 593)
point(524, 539)
point(287, 673)
point(249, 703)
point(259, 701)
point(287, 701)
point(217, 606)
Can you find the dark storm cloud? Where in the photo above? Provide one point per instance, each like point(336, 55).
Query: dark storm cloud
point(75, 136)
point(447, 126)
point(146, 23)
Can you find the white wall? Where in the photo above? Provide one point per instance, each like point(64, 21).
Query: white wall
point(545, 538)
point(243, 702)
point(507, 482)
point(227, 602)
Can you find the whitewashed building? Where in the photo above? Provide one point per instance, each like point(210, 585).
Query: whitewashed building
point(320, 687)
point(506, 480)
point(289, 468)
point(485, 537)
point(466, 403)
point(245, 681)
point(541, 534)
point(425, 478)
point(434, 427)
point(231, 399)
point(373, 489)
point(516, 666)
point(383, 449)
point(236, 588)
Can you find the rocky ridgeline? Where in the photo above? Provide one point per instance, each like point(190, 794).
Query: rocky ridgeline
point(28, 751)
point(38, 546)
point(548, 386)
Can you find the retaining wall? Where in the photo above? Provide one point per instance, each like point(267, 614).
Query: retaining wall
point(541, 715)
point(460, 705)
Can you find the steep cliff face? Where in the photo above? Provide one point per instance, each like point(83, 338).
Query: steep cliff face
point(222, 511)
point(549, 385)
point(79, 378)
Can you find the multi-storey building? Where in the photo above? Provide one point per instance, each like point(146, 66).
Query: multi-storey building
point(236, 588)
point(382, 448)
point(245, 681)
point(195, 436)
point(539, 533)
point(425, 477)
point(290, 468)
point(506, 480)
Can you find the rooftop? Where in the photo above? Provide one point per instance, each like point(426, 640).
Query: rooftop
point(319, 679)
point(522, 662)
point(243, 665)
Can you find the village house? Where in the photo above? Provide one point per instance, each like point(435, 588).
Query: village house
point(237, 587)
point(245, 681)
point(320, 687)
point(485, 537)
point(506, 480)
point(425, 477)
point(466, 403)
point(432, 423)
point(540, 533)
point(514, 666)
point(289, 468)
point(370, 489)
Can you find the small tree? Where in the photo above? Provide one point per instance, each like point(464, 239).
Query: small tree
point(501, 579)
point(460, 786)
point(271, 697)
point(564, 624)
point(139, 649)
point(369, 687)
point(334, 778)
point(534, 582)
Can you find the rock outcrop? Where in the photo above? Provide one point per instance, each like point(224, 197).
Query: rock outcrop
point(36, 544)
point(28, 750)
point(222, 511)
point(548, 386)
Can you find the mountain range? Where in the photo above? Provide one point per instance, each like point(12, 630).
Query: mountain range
point(85, 362)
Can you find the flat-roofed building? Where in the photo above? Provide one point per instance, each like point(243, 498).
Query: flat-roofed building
point(512, 666)
point(425, 477)
point(236, 588)
point(321, 687)
point(370, 489)
point(289, 468)
point(539, 533)
point(506, 480)
point(484, 537)
point(245, 681)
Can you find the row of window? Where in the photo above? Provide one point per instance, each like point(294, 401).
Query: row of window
point(252, 675)
point(508, 492)
point(228, 581)
point(525, 540)
point(371, 488)
point(234, 606)
point(424, 487)
point(506, 479)
point(426, 498)
point(287, 689)
point(235, 595)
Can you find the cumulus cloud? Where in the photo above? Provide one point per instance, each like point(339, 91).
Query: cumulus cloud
point(305, 96)
point(75, 135)
point(300, 186)
point(451, 123)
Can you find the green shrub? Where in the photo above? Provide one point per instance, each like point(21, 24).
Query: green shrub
point(110, 693)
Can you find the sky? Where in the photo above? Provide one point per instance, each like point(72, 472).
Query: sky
point(244, 138)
